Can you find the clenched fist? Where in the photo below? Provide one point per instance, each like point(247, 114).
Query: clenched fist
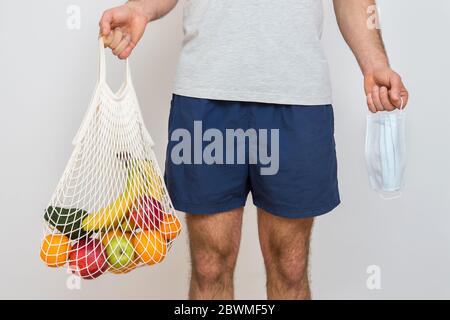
point(122, 27)
point(385, 90)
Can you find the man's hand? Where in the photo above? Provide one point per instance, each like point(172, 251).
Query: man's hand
point(122, 27)
point(385, 90)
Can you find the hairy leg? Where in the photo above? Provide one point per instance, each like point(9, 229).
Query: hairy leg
point(214, 245)
point(285, 247)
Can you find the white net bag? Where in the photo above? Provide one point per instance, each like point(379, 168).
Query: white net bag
point(111, 210)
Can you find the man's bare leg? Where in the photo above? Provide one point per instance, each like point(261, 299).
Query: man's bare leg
point(214, 244)
point(285, 247)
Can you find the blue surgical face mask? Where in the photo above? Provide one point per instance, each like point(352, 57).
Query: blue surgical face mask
point(386, 152)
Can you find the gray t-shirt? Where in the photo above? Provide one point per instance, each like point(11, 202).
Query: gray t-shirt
point(265, 51)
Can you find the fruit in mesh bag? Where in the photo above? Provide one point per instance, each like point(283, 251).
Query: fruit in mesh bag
point(107, 236)
point(66, 220)
point(110, 215)
point(127, 225)
point(170, 227)
point(154, 186)
point(125, 269)
point(87, 258)
point(150, 246)
point(147, 213)
point(142, 179)
point(55, 250)
point(119, 251)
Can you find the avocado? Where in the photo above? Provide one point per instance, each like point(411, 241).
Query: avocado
point(67, 221)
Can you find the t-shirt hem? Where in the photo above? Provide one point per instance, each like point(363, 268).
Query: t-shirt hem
point(259, 97)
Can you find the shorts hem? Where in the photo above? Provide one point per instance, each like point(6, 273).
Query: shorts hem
point(291, 212)
point(190, 208)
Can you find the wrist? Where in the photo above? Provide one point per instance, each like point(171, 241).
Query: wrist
point(142, 8)
point(371, 68)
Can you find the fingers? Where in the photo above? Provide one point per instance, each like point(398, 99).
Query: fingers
point(117, 38)
point(108, 39)
point(105, 23)
point(118, 42)
point(398, 91)
point(370, 103)
point(127, 51)
point(123, 44)
point(385, 91)
point(405, 96)
point(135, 36)
point(379, 100)
point(112, 18)
point(118, 30)
point(384, 97)
point(138, 30)
point(376, 98)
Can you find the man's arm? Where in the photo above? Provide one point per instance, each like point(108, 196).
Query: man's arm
point(384, 88)
point(122, 27)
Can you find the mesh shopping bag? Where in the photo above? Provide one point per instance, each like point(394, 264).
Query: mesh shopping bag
point(111, 210)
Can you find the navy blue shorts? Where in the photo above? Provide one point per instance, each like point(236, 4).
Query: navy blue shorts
point(302, 184)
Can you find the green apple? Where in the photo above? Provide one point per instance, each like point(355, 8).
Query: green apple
point(119, 251)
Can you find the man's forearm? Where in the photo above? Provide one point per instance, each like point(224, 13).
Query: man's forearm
point(365, 42)
point(155, 9)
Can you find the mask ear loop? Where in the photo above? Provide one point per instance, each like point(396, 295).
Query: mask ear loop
point(398, 194)
point(402, 105)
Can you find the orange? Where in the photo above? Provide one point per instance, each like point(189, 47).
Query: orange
point(170, 227)
point(150, 246)
point(55, 250)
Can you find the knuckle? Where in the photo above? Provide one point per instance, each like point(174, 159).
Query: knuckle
point(105, 15)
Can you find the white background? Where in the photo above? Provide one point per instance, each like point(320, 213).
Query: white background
point(47, 75)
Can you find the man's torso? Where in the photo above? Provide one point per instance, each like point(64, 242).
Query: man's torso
point(254, 50)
